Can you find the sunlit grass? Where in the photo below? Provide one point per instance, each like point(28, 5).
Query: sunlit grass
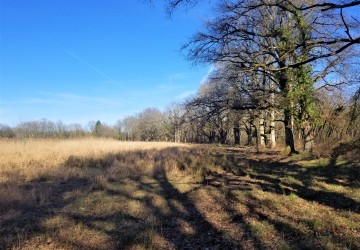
point(32, 159)
point(105, 194)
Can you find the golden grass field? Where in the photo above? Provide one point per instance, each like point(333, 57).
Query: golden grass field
point(106, 194)
point(33, 159)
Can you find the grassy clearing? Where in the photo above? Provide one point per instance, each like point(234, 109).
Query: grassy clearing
point(104, 194)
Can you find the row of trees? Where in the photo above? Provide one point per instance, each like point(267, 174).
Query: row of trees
point(273, 58)
point(213, 115)
point(48, 129)
point(148, 125)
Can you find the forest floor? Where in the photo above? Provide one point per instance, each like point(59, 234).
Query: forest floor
point(174, 196)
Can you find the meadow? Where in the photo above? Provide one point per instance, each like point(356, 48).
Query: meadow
point(106, 194)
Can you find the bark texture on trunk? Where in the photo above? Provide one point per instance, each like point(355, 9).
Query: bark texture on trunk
point(308, 136)
point(262, 131)
point(289, 137)
point(272, 130)
point(237, 136)
point(249, 133)
point(223, 136)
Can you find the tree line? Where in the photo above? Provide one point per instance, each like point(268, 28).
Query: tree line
point(212, 115)
point(45, 128)
point(274, 58)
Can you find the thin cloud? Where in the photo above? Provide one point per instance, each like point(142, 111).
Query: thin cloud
point(66, 98)
point(185, 94)
point(74, 98)
point(118, 84)
point(177, 76)
point(86, 63)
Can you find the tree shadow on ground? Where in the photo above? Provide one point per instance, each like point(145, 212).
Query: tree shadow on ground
point(22, 216)
point(133, 209)
point(288, 180)
point(272, 174)
point(175, 223)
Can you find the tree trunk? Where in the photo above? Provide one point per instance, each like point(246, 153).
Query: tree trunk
point(256, 138)
point(237, 135)
point(272, 130)
point(308, 136)
point(288, 118)
point(249, 134)
point(223, 136)
point(212, 137)
point(262, 130)
point(272, 117)
point(289, 137)
point(177, 135)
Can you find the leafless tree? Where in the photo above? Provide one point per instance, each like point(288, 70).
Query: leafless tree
point(282, 40)
point(293, 47)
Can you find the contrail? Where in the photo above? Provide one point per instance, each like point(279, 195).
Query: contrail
point(86, 63)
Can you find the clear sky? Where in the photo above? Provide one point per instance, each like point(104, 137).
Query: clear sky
point(82, 60)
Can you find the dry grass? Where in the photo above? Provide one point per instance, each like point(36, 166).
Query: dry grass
point(31, 159)
point(105, 194)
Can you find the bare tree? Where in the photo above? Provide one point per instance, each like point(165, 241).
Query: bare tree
point(6, 131)
point(295, 46)
point(130, 128)
point(151, 125)
point(278, 39)
point(173, 121)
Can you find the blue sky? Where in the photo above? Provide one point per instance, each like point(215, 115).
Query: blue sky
point(82, 60)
